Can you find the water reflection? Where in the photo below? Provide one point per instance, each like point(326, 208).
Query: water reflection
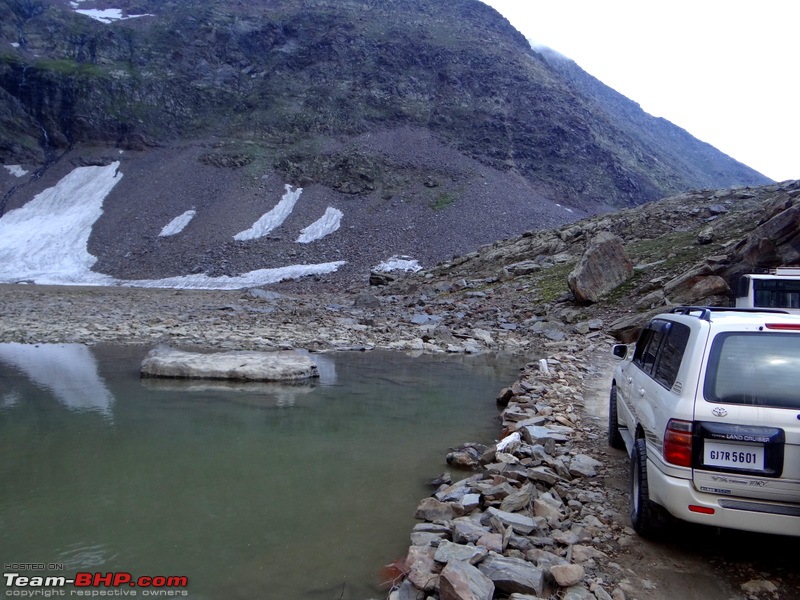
point(69, 371)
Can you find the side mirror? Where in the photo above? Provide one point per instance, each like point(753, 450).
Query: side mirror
point(620, 350)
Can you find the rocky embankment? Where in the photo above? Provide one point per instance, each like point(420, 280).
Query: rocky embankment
point(533, 520)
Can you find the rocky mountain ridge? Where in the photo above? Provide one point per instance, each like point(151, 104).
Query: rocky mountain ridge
point(433, 113)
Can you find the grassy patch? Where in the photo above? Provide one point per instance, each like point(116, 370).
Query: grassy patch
point(70, 67)
point(552, 283)
point(443, 200)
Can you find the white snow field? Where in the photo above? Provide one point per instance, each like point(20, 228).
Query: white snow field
point(46, 241)
point(325, 225)
point(16, 170)
point(104, 15)
point(178, 224)
point(399, 263)
point(274, 218)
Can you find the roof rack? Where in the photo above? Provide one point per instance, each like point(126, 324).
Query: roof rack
point(706, 311)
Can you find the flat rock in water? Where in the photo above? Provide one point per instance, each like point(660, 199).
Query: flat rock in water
point(236, 365)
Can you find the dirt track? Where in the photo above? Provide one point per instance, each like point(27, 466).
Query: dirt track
point(690, 562)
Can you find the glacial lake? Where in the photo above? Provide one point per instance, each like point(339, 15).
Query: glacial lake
point(250, 491)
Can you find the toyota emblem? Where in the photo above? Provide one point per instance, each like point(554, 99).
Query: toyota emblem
point(719, 412)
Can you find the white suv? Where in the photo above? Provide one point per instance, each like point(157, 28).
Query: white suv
point(708, 407)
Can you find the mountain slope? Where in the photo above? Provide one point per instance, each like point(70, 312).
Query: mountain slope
point(431, 125)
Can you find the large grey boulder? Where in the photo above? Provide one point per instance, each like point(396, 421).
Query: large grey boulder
point(513, 575)
point(603, 267)
point(461, 581)
point(236, 365)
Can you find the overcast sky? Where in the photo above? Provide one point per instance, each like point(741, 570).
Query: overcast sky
point(724, 70)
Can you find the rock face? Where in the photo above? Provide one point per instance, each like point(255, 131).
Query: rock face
point(602, 267)
point(237, 365)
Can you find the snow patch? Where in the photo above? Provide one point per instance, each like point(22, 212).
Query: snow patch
point(178, 223)
point(274, 218)
point(106, 15)
point(225, 282)
point(45, 241)
point(16, 170)
point(399, 263)
point(325, 225)
point(15, 44)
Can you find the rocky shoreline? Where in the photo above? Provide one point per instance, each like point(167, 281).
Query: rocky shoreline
point(532, 520)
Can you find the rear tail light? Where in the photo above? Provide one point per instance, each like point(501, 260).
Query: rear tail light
point(678, 443)
point(783, 326)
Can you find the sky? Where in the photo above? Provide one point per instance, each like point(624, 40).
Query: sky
point(724, 70)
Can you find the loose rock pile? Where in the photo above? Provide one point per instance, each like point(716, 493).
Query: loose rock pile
point(531, 520)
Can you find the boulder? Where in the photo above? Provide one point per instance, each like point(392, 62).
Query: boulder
point(423, 571)
point(567, 575)
point(461, 581)
point(603, 267)
point(430, 509)
point(513, 575)
point(448, 552)
point(233, 365)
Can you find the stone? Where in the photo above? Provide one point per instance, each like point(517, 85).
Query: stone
point(758, 586)
point(466, 530)
point(235, 365)
point(520, 523)
point(367, 301)
point(491, 541)
point(380, 278)
point(603, 266)
point(513, 575)
point(577, 592)
point(423, 571)
point(525, 267)
point(407, 591)
point(519, 499)
point(534, 434)
point(584, 466)
point(543, 474)
point(567, 575)
point(462, 581)
point(426, 538)
point(430, 509)
point(546, 510)
point(448, 551)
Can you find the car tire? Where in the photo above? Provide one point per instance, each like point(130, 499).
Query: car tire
point(644, 513)
point(615, 439)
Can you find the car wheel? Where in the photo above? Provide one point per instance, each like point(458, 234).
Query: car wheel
point(644, 513)
point(614, 437)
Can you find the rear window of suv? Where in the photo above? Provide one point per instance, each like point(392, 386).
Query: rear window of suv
point(758, 369)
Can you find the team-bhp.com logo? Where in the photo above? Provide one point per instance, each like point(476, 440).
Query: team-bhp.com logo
point(94, 584)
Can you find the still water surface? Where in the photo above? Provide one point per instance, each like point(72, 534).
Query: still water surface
point(250, 491)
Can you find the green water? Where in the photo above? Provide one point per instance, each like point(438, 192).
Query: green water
point(250, 491)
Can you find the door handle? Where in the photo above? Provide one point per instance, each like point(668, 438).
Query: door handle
point(641, 391)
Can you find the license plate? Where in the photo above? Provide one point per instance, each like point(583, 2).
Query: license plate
point(733, 456)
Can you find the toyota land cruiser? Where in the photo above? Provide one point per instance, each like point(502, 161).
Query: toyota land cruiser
point(707, 405)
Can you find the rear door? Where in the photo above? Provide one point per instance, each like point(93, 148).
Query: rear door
point(748, 416)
